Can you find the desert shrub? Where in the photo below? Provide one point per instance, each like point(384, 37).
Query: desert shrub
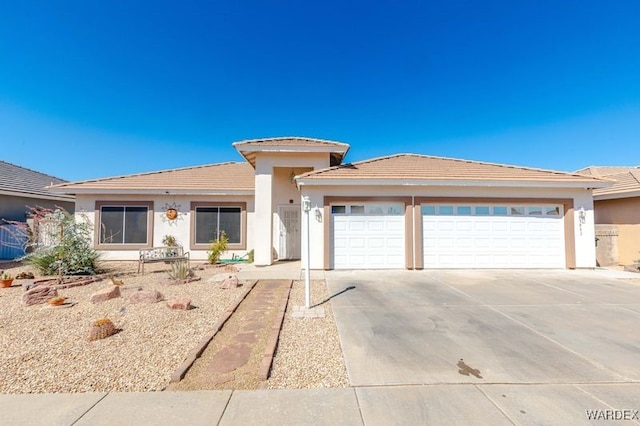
point(68, 251)
point(169, 241)
point(218, 246)
point(180, 271)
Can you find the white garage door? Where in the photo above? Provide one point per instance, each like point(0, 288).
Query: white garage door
point(493, 236)
point(368, 236)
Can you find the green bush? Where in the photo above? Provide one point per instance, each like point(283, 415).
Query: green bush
point(69, 251)
point(218, 246)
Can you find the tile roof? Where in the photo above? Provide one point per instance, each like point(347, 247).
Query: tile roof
point(28, 183)
point(291, 141)
point(421, 167)
point(248, 148)
point(230, 176)
point(626, 180)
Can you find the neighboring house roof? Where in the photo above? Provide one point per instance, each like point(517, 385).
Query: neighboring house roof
point(626, 181)
point(22, 182)
point(249, 148)
point(412, 168)
point(230, 177)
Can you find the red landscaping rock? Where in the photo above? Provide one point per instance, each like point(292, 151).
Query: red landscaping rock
point(38, 295)
point(146, 296)
point(105, 294)
point(182, 304)
point(231, 282)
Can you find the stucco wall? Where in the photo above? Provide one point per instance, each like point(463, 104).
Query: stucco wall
point(624, 214)
point(268, 196)
point(15, 208)
point(179, 228)
point(621, 211)
point(582, 198)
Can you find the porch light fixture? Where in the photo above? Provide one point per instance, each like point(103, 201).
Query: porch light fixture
point(306, 207)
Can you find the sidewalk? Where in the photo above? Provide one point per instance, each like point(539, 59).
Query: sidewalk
point(450, 404)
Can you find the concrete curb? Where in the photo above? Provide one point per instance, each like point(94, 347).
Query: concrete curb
point(195, 353)
point(272, 339)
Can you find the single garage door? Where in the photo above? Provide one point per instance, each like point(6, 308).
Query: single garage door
point(493, 236)
point(368, 236)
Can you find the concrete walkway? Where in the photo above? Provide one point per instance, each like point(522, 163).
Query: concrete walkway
point(386, 405)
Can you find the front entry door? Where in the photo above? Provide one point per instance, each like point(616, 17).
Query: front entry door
point(289, 228)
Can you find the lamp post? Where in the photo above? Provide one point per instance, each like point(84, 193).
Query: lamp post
point(306, 206)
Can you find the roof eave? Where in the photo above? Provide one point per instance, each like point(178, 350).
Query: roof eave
point(116, 191)
point(52, 197)
point(447, 182)
point(615, 196)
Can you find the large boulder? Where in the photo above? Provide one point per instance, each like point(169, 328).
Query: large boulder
point(146, 296)
point(39, 294)
point(105, 294)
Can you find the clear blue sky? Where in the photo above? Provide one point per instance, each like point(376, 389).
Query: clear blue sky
point(98, 88)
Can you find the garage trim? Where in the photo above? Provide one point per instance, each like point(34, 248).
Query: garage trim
point(567, 203)
point(408, 223)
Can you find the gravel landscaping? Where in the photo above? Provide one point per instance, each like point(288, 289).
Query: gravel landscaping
point(45, 348)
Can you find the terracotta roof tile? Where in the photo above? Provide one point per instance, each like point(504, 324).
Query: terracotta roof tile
point(28, 182)
point(293, 141)
point(625, 182)
point(422, 167)
point(248, 148)
point(231, 176)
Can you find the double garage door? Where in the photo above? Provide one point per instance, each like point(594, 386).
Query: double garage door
point(369, 236)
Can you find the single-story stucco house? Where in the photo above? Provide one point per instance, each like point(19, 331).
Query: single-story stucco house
point(21, 188)
point(617, 214)
point(400, 211)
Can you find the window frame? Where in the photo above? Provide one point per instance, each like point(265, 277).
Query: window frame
point(242, 245)
point(122, 246)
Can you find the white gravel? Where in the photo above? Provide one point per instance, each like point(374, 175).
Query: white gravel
point(309, 354)
point(45, 349)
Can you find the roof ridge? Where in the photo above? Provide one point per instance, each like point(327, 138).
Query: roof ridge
point(33, 171)
point(458, 160)
point(148, 173)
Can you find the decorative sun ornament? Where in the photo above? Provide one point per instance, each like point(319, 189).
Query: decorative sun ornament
point(171, 212)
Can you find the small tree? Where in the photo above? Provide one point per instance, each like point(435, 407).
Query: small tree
point(218, 246)
point(68, 250)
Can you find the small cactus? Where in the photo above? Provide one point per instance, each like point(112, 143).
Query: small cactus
point(101, 329)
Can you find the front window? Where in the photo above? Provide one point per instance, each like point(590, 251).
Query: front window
point(123, 224)
point(211, 221)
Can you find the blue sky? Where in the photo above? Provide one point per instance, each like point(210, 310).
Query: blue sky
point(92, 89)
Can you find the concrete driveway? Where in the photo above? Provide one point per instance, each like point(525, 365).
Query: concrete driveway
point(491, 327)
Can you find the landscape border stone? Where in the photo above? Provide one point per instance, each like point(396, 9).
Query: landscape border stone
point(195, 353)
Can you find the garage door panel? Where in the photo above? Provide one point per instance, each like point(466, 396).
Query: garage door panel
point(357, 226)
point(501, 241)
point(368, 241)
point(355, 243)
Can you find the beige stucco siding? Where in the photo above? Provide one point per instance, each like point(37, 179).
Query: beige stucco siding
point(584, 233)
point(621, 211)
point(179, 228)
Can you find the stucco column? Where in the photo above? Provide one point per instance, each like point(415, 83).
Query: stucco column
point(263, 220)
